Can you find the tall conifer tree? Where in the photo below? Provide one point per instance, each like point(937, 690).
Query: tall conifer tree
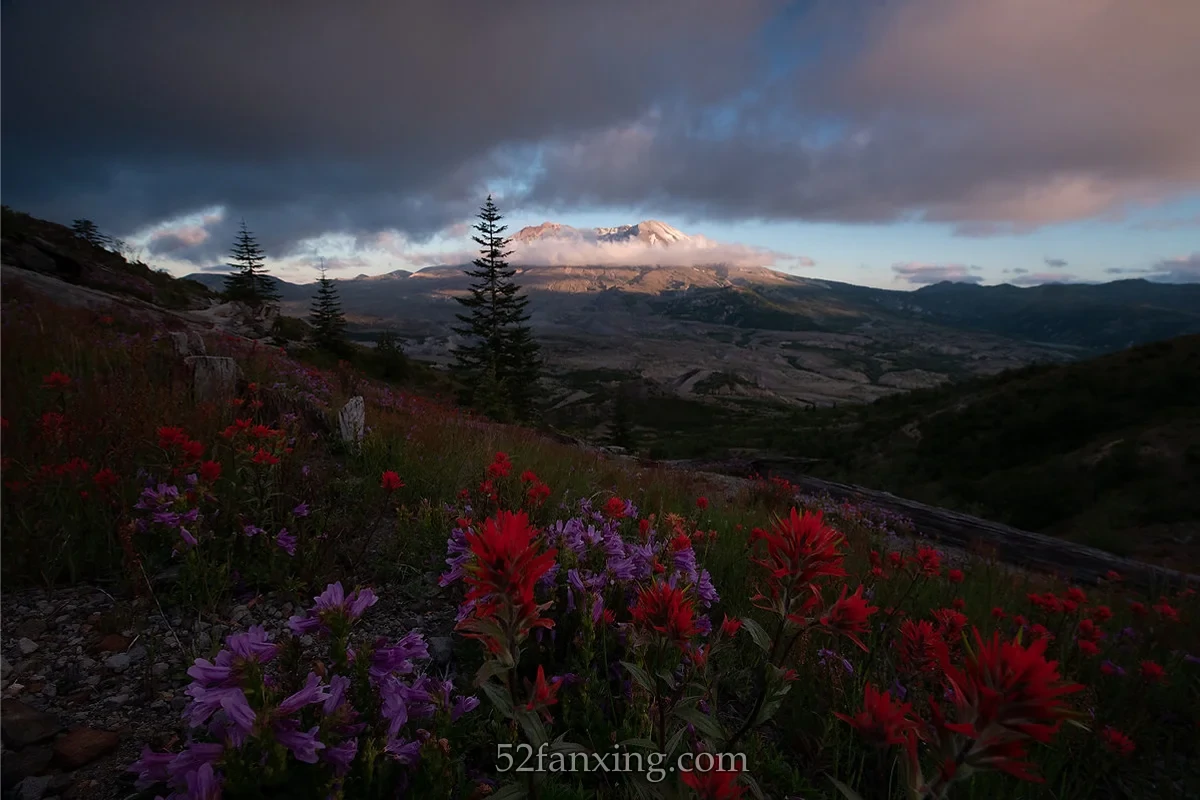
point(325, 314)
point(499, 363)
point(249, 283)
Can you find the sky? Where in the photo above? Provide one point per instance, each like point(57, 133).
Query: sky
point(890, 143)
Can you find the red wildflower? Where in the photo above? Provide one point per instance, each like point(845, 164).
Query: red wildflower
point(1089, 630)
point(958, 603)
point(730, 625)
point(1076, 595)
point(1102, 613)
point(928, 560)
point(265, 458)
point(507, 566)
point(262, 432)
point(1152, 672)
point(390, 481)
point(955, 576)
point(680, 542)
point(1088, 647)
point(1116, 742)
point(713, 785)
point(1019, 620)
point(643, 527)
point(702, 503)
point(500, 466)
point(544, 694)
point(56, 380)
point(1008, 693)
point(1166, 610)
point(169, 436)
point(1113, 576)
point(192, 451)
point(998, 613)
point(529, 476)
point(538, 493)
point(800, 550)
point(882, 721)
point(919, 645)
point(210, 471)
point(1040, 632)
point(607, 617)
point(1138, 609)
point(950, 623)
point(848, 616)
point(614, 508)
point(105, 479)
point(666, 610)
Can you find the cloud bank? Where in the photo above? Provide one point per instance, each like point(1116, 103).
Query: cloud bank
point(919, 274)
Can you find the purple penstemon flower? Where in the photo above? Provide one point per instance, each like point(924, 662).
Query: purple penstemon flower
point(705, 589)
point(399, 657)
point(403, 750)
point(204, 783)
point(312, 692)
point(286, 541)
point(463, 704)
point(340, 756)
point(303, 744)
point(300, 510)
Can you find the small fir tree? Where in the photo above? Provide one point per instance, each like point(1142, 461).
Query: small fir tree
point(88, 231)
point(326, 317)
point(249, 283)
point(499, 364)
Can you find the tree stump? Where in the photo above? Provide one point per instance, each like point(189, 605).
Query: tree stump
point(352, 420)
point(214, 378)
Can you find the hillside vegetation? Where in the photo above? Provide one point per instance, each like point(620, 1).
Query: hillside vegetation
point(1105, 451)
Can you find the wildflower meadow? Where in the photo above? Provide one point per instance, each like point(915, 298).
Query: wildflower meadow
point(598, 606)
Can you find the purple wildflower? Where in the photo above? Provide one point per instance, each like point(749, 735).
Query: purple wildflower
point(286, 542)
point(304, 745)
point(204, 784)
point(313, 692)
point(300, 510)
point(464, 704)
point(341, 756)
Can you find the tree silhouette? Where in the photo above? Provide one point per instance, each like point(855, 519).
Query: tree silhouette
point(249, 283)
point(86, 229)
point(328, 321)
point(499, 364)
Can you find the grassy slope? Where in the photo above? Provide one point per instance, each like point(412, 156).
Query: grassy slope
point(1105, 451)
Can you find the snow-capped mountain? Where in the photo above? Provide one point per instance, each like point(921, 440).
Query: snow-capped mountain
point(650, 232)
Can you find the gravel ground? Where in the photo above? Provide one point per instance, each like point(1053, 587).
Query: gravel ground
point(88, 679)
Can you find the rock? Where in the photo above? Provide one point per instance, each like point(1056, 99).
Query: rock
point(114, 643)
point(188, 343)
point(159, 669)
point(33, 788)
point(26, 645)
point(32, 628)
point(5, 668)
point(118, 699)
point(118, 663)
point(137, 654)
point(82, 789)
point(23, 725)
point(214, 378)
point(352, 421)
point(83, 746)
point(441, 650)
point(18, 765)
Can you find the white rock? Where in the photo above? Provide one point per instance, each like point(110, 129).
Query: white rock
point(118, 663)
point(26, 646)
point(352, 420)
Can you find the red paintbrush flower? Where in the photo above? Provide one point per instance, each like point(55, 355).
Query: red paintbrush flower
point(666, 610)
point(614, 508)
point(928, 561)
point(882, 721)
point(920, 646)
point(1006, 694)
point(1116, 742)
point(848, 616)
point(730, 626)
point(265, 458)
point(529, 476)
point(537, 493)
point(1088, 647)
point(801, 549)
point(105, 479)
point(390, 481)
point(1152, 672)
point(210, 471)
point(169, 436)
point(1166, 610)
point(1089, 630)
point(544, 694)
point(702, 503)
point(955, 576)
point(1102, 613)
point(950, 624)
point(713, 785)
point(500, 466)
point(191, 450)
point(56, 380)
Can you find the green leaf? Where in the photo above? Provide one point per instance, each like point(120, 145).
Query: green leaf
point(701, 721)
point(846, 791)
point(640, 675)
point(752, 784)
point(667, 678)
point(760, 636)
point(535, 731)
point(490, 669)
point(561, 745)
point(511, 791)
point(676, 738)
point(646, 743)
point(499, 697)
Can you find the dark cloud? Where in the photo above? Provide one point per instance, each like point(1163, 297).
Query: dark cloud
point(400, 115)
point(1184, 269)
point(925, 274)
point(1057, 263)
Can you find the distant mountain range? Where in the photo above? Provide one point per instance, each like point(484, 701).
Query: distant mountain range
point(650, 232)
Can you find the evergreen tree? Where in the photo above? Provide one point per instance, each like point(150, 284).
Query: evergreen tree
point(328, 321)
point(389, 355)
point(86, 229)
point(249, 283)
point(500, 364)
